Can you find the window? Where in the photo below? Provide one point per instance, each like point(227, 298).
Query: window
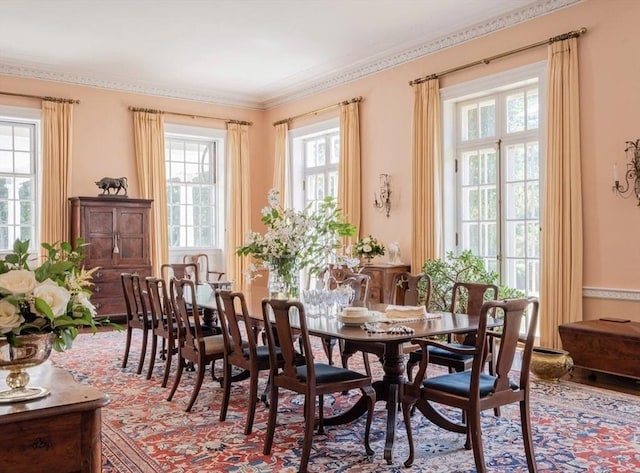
point(194, 172)
point(19, 166)
point(315, 157)
point(494, 144)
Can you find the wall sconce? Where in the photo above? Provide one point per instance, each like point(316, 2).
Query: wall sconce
point(632, 175)
point(384, 200)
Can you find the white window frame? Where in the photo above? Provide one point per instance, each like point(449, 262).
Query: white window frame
point(297, 194)
point(30, 116)
point(217, 251)
point(450, 97)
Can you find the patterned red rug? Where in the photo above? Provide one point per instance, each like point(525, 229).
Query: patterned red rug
point(576, 428)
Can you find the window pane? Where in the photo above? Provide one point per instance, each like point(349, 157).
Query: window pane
point(321, 155)
point(335, 149)
point(533, 161)
point(515, 112)
point(469, 118)
point(6, 161)
point(487, 119)
point(532, 109)
point(515, 200)
point(515, 162)
point(310, 154)
point(6, 137)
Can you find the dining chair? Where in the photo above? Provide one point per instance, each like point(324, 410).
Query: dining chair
point(164, 325)
point(360, 286)
point(180, 271)
point(474, 390)
point(467, 298)
point(205, 273)
point(137, 315)
point(311, 379)
point(193, 345)
point(412, 289)
point(240, 350)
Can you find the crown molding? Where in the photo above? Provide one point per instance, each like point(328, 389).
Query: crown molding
point(297, 91)
point(482, 29)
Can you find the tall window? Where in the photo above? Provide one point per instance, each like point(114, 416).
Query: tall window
point(497, 170)
point(18, 181)
point(194, 189)
point(316, 154)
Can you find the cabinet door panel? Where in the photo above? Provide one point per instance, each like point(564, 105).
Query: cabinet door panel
point(133, 231)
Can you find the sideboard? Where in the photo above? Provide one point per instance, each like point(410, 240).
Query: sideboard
point(382, 278)
point(60, 433)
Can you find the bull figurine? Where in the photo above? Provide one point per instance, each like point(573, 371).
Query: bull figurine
point(108, 183)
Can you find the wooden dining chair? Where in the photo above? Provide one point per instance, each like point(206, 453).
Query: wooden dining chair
point(164, 325)
point(412, 289)
point(205, 273)
point(474, 390)
point(193, 345)
point(360, 285)
point(311, 379)
point(169, 271)
point(138, 316)
point(240, 350)
point(467, 298)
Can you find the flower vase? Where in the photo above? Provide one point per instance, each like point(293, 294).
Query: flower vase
point(29, 351)
point(283, 286)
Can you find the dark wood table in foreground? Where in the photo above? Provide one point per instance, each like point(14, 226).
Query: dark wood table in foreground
point(58, 433)
point(393, 362)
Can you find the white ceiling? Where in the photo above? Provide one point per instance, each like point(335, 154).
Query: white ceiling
point(255, 53)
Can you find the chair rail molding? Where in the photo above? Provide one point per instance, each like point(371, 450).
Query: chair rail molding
point(608, 293)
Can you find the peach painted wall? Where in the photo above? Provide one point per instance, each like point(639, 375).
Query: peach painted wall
point(610, 98)
point(609, 93)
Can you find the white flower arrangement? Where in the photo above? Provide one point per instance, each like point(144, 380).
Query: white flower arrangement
point(368, 247)
point(52, 298)
point(296, 239)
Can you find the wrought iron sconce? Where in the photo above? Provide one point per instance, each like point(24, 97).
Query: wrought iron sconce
point(383, 200)
point(632, 174)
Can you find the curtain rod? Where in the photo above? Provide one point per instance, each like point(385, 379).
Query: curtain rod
point(48, 99)
point(315, 112)
point(190, 115)
point(562, 37)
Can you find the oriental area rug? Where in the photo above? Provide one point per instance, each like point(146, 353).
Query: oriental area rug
point(576, 428)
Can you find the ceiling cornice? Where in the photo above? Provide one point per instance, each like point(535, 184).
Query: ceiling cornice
point(294, 92)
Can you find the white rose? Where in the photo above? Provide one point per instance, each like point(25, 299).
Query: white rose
point(10, 318)
point(18, 281)
point(83, 300)
point(366, 240)
point(367, 248)
point(55, 296)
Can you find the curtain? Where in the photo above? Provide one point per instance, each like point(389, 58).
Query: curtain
point(239, 203)
point(148, 129)
point(56, 170)
point(426, 166)
point(281, 161)
point(561, 285)
point(349, 179)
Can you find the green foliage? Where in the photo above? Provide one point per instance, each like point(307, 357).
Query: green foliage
point(463, 267)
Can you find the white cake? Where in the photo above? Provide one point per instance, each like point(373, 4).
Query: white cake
point(354, 311)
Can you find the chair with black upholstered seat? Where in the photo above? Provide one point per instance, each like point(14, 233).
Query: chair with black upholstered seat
point(412, 289)
point(193, 345)
point(241, 350)
point(311, 379)
point(474, 390)
point(169, 271)
point(138, 316)
point(466, 298)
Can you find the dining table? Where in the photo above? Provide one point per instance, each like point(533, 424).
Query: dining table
point(389, 344)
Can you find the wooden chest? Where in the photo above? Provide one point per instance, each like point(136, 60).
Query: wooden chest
point(611, 346)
